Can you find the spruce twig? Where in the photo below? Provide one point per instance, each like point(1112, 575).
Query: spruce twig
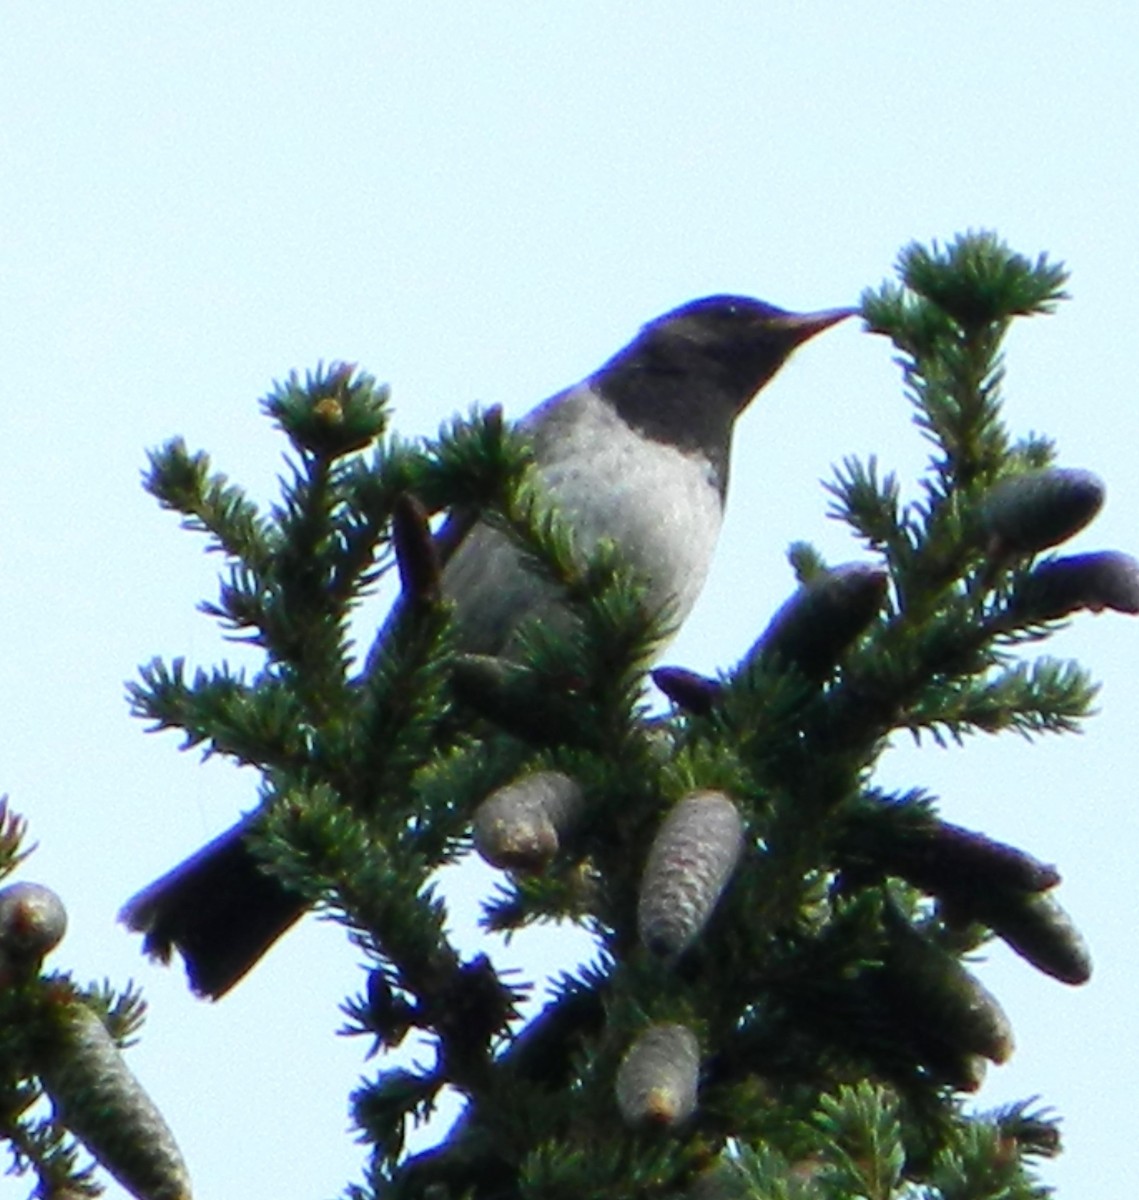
point(830, 906)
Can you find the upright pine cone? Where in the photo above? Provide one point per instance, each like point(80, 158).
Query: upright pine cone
point(657, 1079)
point(690, 862)
point(96, 1096)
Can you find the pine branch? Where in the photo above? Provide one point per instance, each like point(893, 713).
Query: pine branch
point(1046, 696)
point(60, 1043)
point(779, 1005)
point(257, 724)
point(182, 482)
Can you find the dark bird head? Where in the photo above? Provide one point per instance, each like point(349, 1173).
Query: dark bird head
point(733, 342)
point(688, 375)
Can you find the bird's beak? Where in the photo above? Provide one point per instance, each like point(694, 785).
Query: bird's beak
point(801, 326)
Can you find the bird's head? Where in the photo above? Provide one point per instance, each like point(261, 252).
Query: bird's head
point(687, 376)
point(734, 341)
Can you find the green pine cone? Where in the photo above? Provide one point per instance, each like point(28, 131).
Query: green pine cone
point(688, 690)
point(514, 699)
point(723, 1181)
point(1030, 512)
point(1055, 589)
point(416, 554)
point(962, 1072)
point(947, 860)
point(689, 864)
point(1041, 932)
point(943, 1001)
point(520, 826)
point(657, 1079)
point(96, 1096)
point(820, 620)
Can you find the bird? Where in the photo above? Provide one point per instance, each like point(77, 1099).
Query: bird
point(637, 453)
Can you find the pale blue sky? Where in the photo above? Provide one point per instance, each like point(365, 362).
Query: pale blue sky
point(480, 203)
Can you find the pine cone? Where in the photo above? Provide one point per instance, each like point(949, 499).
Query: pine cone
point(690, 862)
point(820, 620)
point(32, 923)
point(1055, 589)
point(1030, 512)
point(96, 1096)
point(657, 1079)
point(520, 826)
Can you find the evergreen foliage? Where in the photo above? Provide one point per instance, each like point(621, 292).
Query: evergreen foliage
point(60, 1046)
point(822, 990)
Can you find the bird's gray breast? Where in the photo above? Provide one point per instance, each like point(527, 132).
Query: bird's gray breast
point(659, 505)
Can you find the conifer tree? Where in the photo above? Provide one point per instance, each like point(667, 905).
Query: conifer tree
point(779, 1005)
point(64, 1085)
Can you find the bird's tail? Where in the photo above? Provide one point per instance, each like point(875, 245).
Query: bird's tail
point(218, 909)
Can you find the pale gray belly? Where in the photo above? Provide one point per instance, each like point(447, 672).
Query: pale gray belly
point(657, 505)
